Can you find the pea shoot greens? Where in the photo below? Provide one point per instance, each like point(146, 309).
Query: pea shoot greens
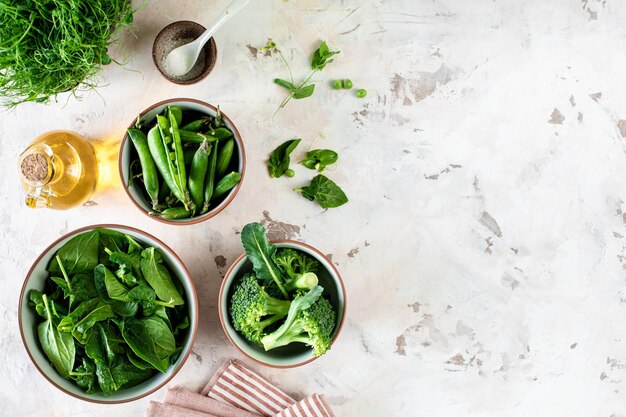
point(53, 46)
point(321, 57)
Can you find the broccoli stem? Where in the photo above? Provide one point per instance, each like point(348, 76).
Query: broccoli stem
point(303, 282)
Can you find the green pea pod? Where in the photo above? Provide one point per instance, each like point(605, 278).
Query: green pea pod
point(195, 137)
point(224, 157)
point(199, 166)
point(209, 182)
point(188, 154)
point(195, 126)
point(179, 163)
point(161, 160)
point(226, 183)
point(150, 178)
point(164, 191)
point(174, 213)
point(177, 113)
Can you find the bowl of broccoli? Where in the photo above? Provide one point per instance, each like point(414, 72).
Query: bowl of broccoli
point(281, 303)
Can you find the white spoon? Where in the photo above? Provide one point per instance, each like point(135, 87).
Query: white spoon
point(180, 60)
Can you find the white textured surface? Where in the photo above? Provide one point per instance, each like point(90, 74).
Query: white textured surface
point(483, 247)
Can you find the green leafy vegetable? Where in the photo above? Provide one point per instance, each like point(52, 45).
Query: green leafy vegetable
point(324, 191)
point(78, 255)
point(311, 320)
point(321, 57)
point(253, 309)
point(51, 47)
point(279, 160)
point(150, 339)
point(261, 253)
point(82, 318)
point(157, 275)
point(58, 346)
point(319, 159)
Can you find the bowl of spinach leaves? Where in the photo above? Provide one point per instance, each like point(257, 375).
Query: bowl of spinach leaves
point(108, 314)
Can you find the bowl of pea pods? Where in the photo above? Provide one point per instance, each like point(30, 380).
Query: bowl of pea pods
point(182, 161)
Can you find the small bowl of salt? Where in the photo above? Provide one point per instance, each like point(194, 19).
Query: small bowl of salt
point(177, 34)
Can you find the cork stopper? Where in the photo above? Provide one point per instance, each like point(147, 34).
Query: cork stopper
point(35, 167)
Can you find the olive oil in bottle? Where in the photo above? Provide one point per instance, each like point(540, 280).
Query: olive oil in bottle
point(59, 170)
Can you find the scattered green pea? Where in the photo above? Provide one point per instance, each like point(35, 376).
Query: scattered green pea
point(336, 84)
point(347, 84)
point(290, 173)
point(361, 92)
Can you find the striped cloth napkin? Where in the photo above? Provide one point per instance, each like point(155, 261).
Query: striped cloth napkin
point(237, 391)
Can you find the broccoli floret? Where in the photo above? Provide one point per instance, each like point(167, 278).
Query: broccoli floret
point(311, 320)
point(299, 267)
point(252, 309)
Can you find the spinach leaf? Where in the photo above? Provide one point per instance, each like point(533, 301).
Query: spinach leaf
point(279, 158)
point(126, 374)
point(157, 275)
point(124, 309)
point(137, 361)
point(78, 255)
point(261, 253)
point(112, 240)
point(83, 287)
point(129, 266)
point(150, 339)
point(133, 245)
point(96, 349)
point(324, 191)
point(85, 376)
point(58, 346)
point(68, 322)
point(115, 289)
point(36, 300)
point(319, 159)
point(83, 329)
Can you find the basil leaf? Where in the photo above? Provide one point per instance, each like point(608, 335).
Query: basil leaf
point(279, 158)
point(58, 346)
point(157, 275)
point(261, 253)
point(324, 191)
point(304, 92)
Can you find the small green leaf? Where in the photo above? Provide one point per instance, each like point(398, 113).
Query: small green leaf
point(279, 158)
point(286, 84)
point(304, 92)
point(324, 191)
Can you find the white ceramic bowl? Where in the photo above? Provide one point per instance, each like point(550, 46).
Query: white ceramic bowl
point(295, 354)
point(28, 328)
point(137, 194)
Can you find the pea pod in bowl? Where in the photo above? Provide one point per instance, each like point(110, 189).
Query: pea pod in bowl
point(190, 149)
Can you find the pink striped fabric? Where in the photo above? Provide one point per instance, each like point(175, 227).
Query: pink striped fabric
point(237, 385)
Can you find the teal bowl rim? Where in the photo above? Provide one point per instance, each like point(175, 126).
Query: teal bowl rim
point(164, 247)
point(223, 288)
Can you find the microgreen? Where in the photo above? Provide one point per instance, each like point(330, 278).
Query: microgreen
point(50, 47)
